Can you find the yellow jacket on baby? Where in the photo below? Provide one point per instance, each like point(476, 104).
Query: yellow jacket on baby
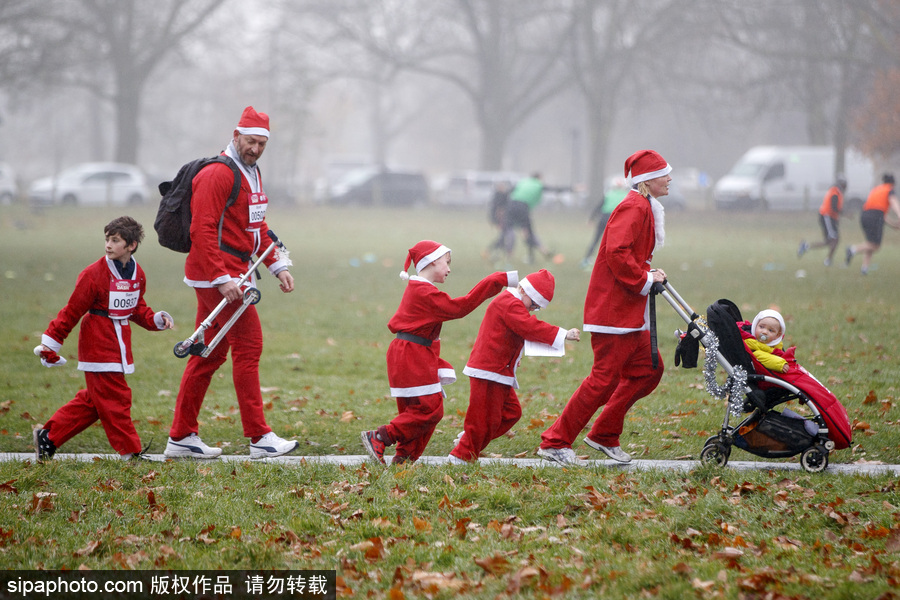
point(764, 354)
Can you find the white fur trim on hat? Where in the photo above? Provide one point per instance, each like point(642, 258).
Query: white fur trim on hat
point(762, 315)
point(253, 131)
point(534, 294)
point(431, 257)
point(651, 175)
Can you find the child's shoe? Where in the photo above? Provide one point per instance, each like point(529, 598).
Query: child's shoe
point(44, 449)
point(373, 445)
point(455, 460)
point(563, 456)
point(190, 447)
point(144, 454)
point(270, 445)
point(804, 246)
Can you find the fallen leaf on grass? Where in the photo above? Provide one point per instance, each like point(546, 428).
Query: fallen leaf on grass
point(87, 550)
point(42, 502)
point(494, 565)
point(431, 583)
point(372, 548)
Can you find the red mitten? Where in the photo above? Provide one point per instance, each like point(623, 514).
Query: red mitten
point(49, 358)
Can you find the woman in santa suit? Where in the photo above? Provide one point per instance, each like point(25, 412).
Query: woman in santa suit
point(616, 313)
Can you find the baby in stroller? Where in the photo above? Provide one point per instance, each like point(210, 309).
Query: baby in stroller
point(763, 338)
point(762, 377)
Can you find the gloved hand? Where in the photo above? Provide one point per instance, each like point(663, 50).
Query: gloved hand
point(49, 358)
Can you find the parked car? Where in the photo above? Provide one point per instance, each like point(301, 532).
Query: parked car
point(92, 184)
point(374, 186)
point(474, 188)
point(9, 189)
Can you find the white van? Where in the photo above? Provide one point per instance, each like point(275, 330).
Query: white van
point(792, 178)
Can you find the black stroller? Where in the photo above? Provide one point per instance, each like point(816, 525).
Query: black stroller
point(750, 388)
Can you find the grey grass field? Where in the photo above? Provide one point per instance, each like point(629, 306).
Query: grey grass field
point(477, 531)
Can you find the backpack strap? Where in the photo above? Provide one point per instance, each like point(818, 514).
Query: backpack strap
point(232, 198)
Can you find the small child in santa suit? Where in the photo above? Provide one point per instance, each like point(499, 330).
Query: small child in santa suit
point(493, 405)
point(416, 371)
point(108, 294)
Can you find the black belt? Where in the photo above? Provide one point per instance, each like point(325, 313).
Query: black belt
point(98, 312)
point(415, 339)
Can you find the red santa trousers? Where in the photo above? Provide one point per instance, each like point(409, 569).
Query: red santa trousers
point(412, 428)
point(493, 409)
point(621, 375)
point(246, 343)
point(107, 398)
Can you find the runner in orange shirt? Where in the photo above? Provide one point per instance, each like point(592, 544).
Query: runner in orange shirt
point(873, 219)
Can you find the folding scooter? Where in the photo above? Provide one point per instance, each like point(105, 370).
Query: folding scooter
point(196, 344)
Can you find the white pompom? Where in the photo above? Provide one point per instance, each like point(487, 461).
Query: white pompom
point(404, 275)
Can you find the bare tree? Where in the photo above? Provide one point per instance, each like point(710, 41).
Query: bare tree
point(503, 55)
point(109, 47)
point(817, 57)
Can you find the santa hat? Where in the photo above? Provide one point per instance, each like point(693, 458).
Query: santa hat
point(762, 315)
point(645, 165)
point(539, 287)
point(421, 255)
point(253, 123)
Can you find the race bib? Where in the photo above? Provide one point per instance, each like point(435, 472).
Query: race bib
point(124, 295)
point(258, 204)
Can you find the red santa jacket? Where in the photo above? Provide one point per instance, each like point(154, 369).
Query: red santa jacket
point(104, 343)
point(617, 296)
point(415, 369)
point(501, 338)
point(244, 228)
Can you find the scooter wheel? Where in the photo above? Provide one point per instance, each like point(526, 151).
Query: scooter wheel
point(814, 459)
point(182, 349)
point(253, 295)
point(715, 453)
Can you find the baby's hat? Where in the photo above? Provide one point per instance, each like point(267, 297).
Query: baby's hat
point(539, 287)
point(421, 255)
point(762, 315)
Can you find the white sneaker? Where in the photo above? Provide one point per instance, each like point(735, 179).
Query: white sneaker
point(614, 452)
point(455, 460)
point(563, 456)
point(271, 445)
point(190, 447)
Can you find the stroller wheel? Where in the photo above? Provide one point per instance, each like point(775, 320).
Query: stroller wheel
point(814, 459)
point(716, 453)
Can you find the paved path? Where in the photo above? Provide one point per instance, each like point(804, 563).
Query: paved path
point(635, 465)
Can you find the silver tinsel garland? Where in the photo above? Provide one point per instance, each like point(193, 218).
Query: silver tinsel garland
point(734, 386)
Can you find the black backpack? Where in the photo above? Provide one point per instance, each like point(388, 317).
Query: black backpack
point(173, 218)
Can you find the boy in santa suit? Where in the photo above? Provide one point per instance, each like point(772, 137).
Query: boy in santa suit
point(108, 294)
point(616, 313)
point(493, 405)
point(416, 371)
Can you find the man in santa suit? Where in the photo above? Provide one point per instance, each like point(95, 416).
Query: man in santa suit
point(213, 269)
point(508, 322)
point(616, 313)
point(416, 371)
